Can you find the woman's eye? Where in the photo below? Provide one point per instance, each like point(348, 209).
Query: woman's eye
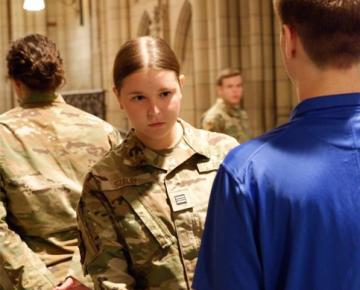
point(137, 98)
point(165, 94)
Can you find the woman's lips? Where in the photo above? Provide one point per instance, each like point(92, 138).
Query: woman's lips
point(157, 124)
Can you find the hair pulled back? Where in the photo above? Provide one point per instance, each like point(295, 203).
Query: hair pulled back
point(142, 53)
point(35, 61)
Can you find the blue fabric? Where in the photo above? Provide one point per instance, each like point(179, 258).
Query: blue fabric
point(284, 212)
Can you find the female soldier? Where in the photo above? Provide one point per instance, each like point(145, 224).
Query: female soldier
point(46, 149)
point(143, 207)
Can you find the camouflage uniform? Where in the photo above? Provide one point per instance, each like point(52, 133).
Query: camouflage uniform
point(142, 213)
point(228, 120)
point(46, 149)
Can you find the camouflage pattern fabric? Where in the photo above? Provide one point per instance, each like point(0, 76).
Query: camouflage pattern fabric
point(46, 149)
point(142, 213)
point(228, 120)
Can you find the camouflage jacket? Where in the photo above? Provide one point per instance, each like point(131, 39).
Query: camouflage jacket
point(46, 149)
point(228, 120)
point(142, 213)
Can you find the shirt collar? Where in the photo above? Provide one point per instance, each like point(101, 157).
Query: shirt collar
point(192, 139)
point(325, 102)
point(231, 110)
point(42, 98)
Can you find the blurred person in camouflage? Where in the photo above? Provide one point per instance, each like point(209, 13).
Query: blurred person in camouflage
point(226, 115)
point(142, 211)
point(46, 149)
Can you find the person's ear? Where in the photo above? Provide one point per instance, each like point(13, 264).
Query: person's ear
point(181, 80)
point(117, 94)
point(290, 39)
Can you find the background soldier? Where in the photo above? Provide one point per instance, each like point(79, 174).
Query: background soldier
point(46, 148)
point(226, 115)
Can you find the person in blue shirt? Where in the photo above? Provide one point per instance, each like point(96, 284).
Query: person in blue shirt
point(284, 212)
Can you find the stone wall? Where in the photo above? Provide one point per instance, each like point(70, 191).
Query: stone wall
point(207, 36)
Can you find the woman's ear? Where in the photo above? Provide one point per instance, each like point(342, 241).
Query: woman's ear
point(181, 80)
point(117, 94)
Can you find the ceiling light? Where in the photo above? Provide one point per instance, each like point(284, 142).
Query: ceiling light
point(34, 5)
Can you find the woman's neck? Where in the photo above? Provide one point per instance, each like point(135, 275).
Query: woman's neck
point(168, 142)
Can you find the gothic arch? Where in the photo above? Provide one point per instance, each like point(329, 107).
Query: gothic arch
point(183, 47)
point(182, 30)
point(144, 26)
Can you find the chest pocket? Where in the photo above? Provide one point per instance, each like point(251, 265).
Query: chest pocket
point(157, 229)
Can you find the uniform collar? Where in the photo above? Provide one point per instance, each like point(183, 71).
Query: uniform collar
point(231, 110)
point(137, 154)
point(41, 98)
point(192, 139)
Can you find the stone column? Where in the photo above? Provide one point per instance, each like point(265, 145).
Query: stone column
point(113, 30)
point(201, 47)
point(6, 99)
point(258, 54)
point(183, 47)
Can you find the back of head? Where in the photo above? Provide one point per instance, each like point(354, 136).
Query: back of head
point(226, 73)
point(35, 61)
point(142, 53)
point(329, 29)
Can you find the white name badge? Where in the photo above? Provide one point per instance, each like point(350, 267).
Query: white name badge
point(180, 200)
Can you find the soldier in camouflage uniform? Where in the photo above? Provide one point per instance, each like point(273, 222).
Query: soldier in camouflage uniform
point(142, 212)
point(226, 115)
point(46, 149)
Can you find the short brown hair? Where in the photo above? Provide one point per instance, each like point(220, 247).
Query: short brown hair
point(226, 73)
point(140, 53)
point(35, 61)
point(328, 29)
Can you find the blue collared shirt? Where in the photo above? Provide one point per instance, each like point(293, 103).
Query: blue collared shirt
point(284, 212)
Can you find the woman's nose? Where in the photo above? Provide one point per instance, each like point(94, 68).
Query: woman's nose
point(153, 109)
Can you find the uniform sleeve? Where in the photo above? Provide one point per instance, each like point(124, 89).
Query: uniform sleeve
point(228, 256)
point(214, 123)
point(24, 269)
point(102, 256)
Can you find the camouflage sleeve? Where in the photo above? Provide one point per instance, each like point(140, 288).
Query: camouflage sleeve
point(246, 124)
point(214, 123)
point(102, 255)
point(24, 269)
